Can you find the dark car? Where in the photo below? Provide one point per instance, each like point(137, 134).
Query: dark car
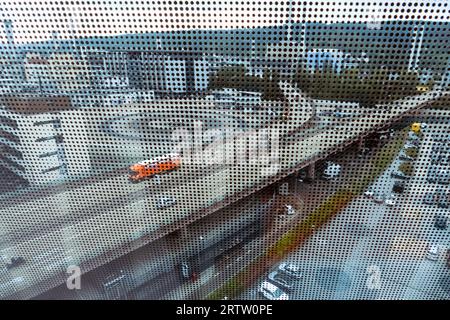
point(443, 177)
point(303, 177)
point(436, 147)
point(443, 202)
point(363, 151)
point(428, 198)
point(14, 262)
point(436, 158)
point(399, 175)
point(445, 159)
point(399, 186)
point(432, 175)
point(415, 143)
point(440, 222)
point(441, 198)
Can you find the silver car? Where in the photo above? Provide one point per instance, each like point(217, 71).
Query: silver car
point(290, 269)
point(165, 202)
point(443, 177)
point(433, 253)
point(280, 279)
point(390, 200)
point(379, 198)
point(429, 198)
point(272, 292)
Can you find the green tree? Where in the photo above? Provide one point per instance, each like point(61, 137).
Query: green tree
point(228, 77)
point(304, 79)
point(236, 77)
point(270, 86)
point(406, 168)
point(411, 152)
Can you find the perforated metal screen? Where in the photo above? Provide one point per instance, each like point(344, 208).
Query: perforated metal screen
point(224, 150)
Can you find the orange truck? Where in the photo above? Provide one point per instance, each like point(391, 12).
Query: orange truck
point(148, 168)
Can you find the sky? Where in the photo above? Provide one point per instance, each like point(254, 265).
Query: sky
point(35, 20)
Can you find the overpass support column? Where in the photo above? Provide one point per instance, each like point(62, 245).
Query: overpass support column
point(360, 144)
point(288, 185)
point(311, 172)
point(184, 233)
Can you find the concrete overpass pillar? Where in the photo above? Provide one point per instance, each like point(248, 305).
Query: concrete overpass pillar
point(183, 233)
point(284, 188)
point(288, 185)
point(311, 171)
point(360, 144)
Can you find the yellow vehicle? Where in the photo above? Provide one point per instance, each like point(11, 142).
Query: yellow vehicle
point(415, 127)
point(423, 88)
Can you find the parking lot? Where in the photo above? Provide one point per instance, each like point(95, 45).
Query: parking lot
point(383, 245)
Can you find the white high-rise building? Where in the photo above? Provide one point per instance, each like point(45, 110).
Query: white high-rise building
point(321, 59)
point(201, 74)
point(175, 72)
point(416, 48)
point(31, 139)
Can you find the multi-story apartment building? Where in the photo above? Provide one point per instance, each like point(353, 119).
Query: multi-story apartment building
point(30, 137)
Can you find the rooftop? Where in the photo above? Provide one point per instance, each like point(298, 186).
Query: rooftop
point(29, 104)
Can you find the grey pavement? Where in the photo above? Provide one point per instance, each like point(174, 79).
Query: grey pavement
point(341, 260)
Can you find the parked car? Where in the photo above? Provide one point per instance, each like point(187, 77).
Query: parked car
point(445, 159)
point(414, 143)
point(290, 269)
point(432, 175)
point(442, 198)
point(289, 210)
point(399, 186)
point(272, 292)
point(397, 174)
point(403, 156)
point(280, 279)
point(14, 262)
point(363, 151)
point(379, 198)
point(165, 202)
point(369, 193)
point(433, 252)
point(436, 147)
point(303, 177)
point(428, 198)
point(413, 137)
point(443, 177)
point(391, 200)
point(436, 158)
point(440, 222)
